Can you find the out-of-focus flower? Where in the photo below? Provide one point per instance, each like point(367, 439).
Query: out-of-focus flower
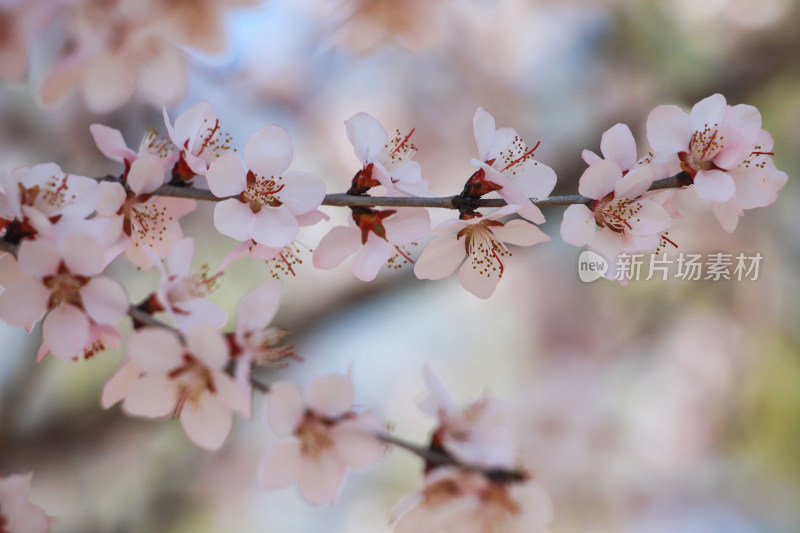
point(724, 150)
point(376, 237)
point(62, 280)
point(199, 138)
point(482, 242)
point(454, 500)
point(370, 23)
point(387, 161)
point(17, 514)
point(20, 20)
point(507, 163)
point(165, 378)
point(270, 198)
point(329, 436)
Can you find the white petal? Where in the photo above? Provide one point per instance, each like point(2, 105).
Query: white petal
point(440, 258)
point(708, 111)
point(650, 218)
point(83, 254)
point(520, 233)
point(285, 407)
point(757, 187)
point(199, 311)
point(111, 143)
point(319, 481)
point(258, 307)
point(366, 135)
point(208, 345)
point(599, 179)
point(190, 125)
point(578, 226)
point(669, 129)
point(207, 421)
point(119, 384)
point(480, 285)
point(24, 302)
point(232, 218)
point(152, 396)
point(280, 465)
point(155, 350)
point(227, 176)
point(340, 243)
point(104, 300)
point(714, 185)
point(355, 442)
point(268, 152)
point(302, 192)
point(39, 258)
point(618, 144)
point(371, 257)
point(634, 183)
point(66, 331)
point(407, 225)
point(112, 196)
point(146, 174)
point(331, 395)
point(275, 227)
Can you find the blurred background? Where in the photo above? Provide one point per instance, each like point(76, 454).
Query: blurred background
point(664, 406)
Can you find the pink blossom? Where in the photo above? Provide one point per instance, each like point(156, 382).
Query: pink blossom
point(17, 514)
point(197, 135)
point(483, 246)
point(624, 216)
point(182, 293)
point(507, 162)
point(454, 500)
point(386, 161)
point(144, 222)
point(165, 378)
point(63, 282)
point(269, 198)
point(329, 436)
point(20, 21)
point(724, 150)
point(376, 237)
point(111, 143)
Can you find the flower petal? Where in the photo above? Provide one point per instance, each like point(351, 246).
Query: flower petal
point(268, 152)
point(367, 136)
point(714, 185)
point(152, 396)
point(207, 421)
point(618, 145)
point(83, 254)
point(104, 300)
point(232, 218)
point(302, 192)
point(227, 176)
point(340, 243)
point(24, 302)
point(119, 384)
point(208, 345)
point(407, 225)
point(108, 83)
point(39, 258)
point(440, 258)
point(669, 129)
point(111, 143)
point(578, 225)
point(274, 227)
point(635, 182)
point(280, 465)
point(285, 407)
point(319, 481)
point(155, 350)
point(599, 179)
point(146, 174)
point(331, 395)
point(481, 285)
point(66, 331)
point(258, 307)
point(371, 257)
point(355, 442)
point(520, 233)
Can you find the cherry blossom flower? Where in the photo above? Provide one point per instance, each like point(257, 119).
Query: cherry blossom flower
point(269, 198)
point(386, 161)
point(724, 150)
point(145, 222)
point(483, 246)
point(624, 216)
point(454, 500)
point(197, 135)
point(507, 164)
point(111, 143)
point(329, 436)
point(17, 514)
point(63, 281)
point(182, 293)
point(376, 237)
point(478, 434)
point(165, 378)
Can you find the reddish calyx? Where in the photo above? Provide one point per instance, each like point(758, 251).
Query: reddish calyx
point(371, 220)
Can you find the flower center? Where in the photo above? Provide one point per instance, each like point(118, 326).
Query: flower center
point(516, 155)
point(313, 431)
point(262, 191)
point(196, 380)
point(483, 248)
point(614, 213)
point(65, 287)
point(703, 146)
point(144, 220)
point(196, 285)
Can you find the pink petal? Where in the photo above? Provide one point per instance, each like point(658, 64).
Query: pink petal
point(179, 261)
point(618, 145)
point(24, 302)
point(112, 196)
point(302, 192)
point(438, 403)
point(590, 158)
point(743, 116)
point(155, 350)
point(484, 129)
point(26, 517)
point(285, 407)
point(355, 442)
point(520, 233)
point(319, 481)
point(230, 394)
point(162, 79)
point(371, 257)
point(39, 258)
point(578, 225)
point(189, 124)
point(227, 176)
point(366, 135)
point(64, 77)
point(83, 254)
point(280, 465)
point(152, 396)
point(274, 227)
point(757, 187)
point(634, 183)
point(440, 258)
point(66, 331)
point(199, 311)
point(714, 185)
point(534, 179)
point(669, 129)
point(119, 384)
point(728, 216)
point(232, 218)
point(104, 300)
point(208, 345)
point(109, 83)
point(708, 112)
point(258, 307)
point(111, 143)
point(407, 225)
point(146, 174)
point(650, 218)
point(268, 152)
point(340, 243)
point(207, 421)
point(598, 180)
point(480, 285)
point(331, 395)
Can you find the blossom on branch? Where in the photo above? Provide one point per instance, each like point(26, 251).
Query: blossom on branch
point(482, 242)
point(268, 197)
point(328, 437)
point(17, 514)
point(199, 139)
